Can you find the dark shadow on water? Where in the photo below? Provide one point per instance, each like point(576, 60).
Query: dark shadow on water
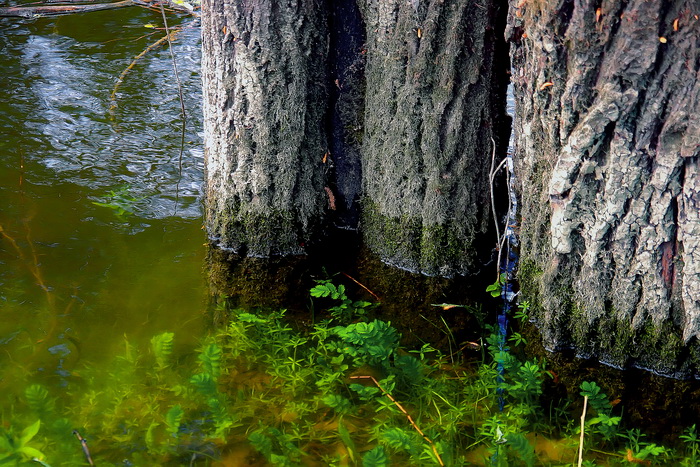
point(659, 406)
point(419, 306)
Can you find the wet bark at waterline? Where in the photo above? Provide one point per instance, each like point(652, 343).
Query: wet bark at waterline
point(265, 86)
point(608, 133)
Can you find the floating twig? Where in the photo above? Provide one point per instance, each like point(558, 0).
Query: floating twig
point(361, 285)
point(56, 10)
point(83, 444)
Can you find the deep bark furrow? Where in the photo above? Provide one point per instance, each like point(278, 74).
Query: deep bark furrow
point(617, 219)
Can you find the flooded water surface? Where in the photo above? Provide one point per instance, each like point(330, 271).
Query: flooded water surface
point(101, 231)
point(108, 350)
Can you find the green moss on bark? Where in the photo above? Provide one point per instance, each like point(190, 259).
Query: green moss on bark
point(407, 243)
point(259, 235)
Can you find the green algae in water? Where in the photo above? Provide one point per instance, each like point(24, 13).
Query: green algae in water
point(344, 392)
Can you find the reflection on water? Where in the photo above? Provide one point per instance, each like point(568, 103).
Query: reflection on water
point(77, 278)
point(56, 110)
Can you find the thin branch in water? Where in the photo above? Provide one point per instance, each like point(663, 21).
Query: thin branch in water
point(361, 285)
point(408, 416)
point(182, 107)
point(583, 426)
point(83, 444)
point(56, 10)
point(120, 80)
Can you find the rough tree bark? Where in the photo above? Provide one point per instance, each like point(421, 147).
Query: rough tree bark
point(431, 98)
point(434, 97)
point(265, 86)
point(608, 138)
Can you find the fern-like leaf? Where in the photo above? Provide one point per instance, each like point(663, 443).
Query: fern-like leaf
point(399, 439)
point(173, 419)
point(204, 383)
point(211, 360)
point(596, 397)
point(375, 457)
point(38, 399)
point(262, 443)
point(523, 448)
point(162, 347)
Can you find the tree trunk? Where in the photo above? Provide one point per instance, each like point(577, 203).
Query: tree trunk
point(265, 87)
point(434, 102)
point(607, 145)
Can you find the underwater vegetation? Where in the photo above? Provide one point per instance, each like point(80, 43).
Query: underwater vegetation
point(121, 202)
point(343, 391)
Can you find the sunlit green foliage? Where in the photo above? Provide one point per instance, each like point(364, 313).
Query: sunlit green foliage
point(15, 450)
point(342, 392)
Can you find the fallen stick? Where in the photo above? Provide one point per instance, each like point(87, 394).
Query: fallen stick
point(583, 426)
point(83, 444)
point(56, 10)
point(361, 285)
point(408, 416)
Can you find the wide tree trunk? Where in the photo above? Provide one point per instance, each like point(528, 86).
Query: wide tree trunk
point(265, 86)
point(608, 138)
point(434, 102)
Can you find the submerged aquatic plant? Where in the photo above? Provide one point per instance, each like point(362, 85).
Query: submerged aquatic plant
point(344, 392)
point(120, 201)
point(14, 449)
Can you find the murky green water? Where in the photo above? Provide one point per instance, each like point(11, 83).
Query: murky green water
point(101, 249)
point(76, 278)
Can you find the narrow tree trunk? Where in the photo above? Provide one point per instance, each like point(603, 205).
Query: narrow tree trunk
point(608, 138)
point(431, 111)
point(264, 75)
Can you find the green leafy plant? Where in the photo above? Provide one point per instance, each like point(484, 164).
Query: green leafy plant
point(210, 358)
point(603, 423)
point(162, 347)
point(347, 309)
point(15, 449)
point(375, 457)
point(496, 288)
point(173, 419)
point(522, 313)
point(276, 446)
point(692, 444)
point(373, 343)
point(38, 400)
point(338, 393)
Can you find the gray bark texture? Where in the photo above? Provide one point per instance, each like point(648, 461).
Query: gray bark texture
point(607, 146)
point(265, 87)
point(431, 111)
